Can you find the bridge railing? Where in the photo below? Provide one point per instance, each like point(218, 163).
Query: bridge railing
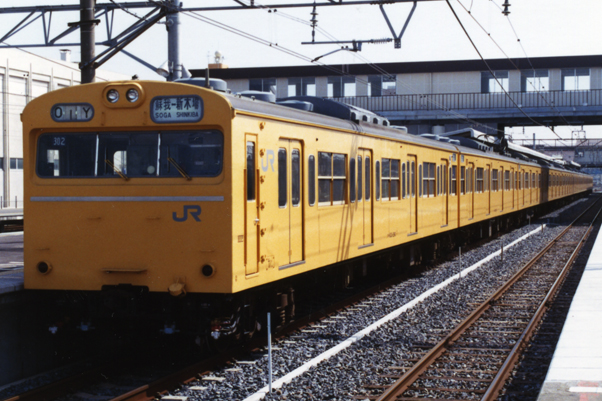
point(459, 101)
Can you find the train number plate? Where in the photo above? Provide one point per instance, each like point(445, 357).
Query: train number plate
point(69, 112)
point(176, 109)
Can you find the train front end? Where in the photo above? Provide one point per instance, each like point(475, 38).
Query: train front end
point(127, 191)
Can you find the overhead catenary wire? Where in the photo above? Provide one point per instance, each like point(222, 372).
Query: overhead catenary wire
point(512, 62)
point(493, 74)
point(303, 57)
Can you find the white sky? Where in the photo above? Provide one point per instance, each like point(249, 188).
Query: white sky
point(545, 28)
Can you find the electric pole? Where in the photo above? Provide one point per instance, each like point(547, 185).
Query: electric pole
point(173, 41)
point(86, 28)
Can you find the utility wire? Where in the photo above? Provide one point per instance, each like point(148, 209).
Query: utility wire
point(512, 62)
point(492, 73)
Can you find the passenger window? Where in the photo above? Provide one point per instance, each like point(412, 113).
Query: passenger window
point(352, 180)
point(359, 178)
point(385, 179)
point(282, 182)
point(453, 182)
point(419, 179)
point(377, 180)
point(367, 175)
point(462, 180)
point(413, 180)
point(250, 171)
point(311, 190)
point(296, 178)
point(331, 178)
point(403, 181)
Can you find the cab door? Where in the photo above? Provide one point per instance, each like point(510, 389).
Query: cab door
point(364, 194)
point(290, 205)
point(251, 209)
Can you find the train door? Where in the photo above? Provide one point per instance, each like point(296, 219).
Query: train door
point(413, 209)
point(251, 209)
point(290, 205)
point(444, 192)
point(364, 174)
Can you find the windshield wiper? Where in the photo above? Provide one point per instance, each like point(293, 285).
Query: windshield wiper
point(115, 169)
point(179, 168)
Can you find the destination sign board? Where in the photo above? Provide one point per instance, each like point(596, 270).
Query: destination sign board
point(70, 112)
point(176, 109)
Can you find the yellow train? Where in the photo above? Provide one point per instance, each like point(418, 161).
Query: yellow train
point(137, 190)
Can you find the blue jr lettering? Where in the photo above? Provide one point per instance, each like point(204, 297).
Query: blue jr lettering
point(193, 210)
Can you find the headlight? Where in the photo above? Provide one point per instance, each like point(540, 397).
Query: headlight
point(113, 96)
point(132, 95)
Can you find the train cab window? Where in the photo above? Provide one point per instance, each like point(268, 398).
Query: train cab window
point(453, 180)
point(296, 177)
point(66, 155)
point(311, 188)
point(250, 171)
point(331, 178)
point(196, 153)
point(359, 178)
point(282, 175)
point(428, 180)
point(403, 180)
point(367, 175)
point(131, 154)
point(462, 180)
point(479, 178)
point(377, 167)
point(390, 179)
point(352, 180)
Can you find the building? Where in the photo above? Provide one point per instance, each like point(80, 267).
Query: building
point(446, 95)
point(23, 77)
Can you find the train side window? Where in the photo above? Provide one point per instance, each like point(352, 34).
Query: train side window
point(250, 171)
point(377, 180)
point(419, 180)
point(438, 180)
point(386, 175)
point(338, 179)
point(486, 179)
point(352, 180)
point(444, 169)
point(296, 178)
point(479, 177)
point(428, 181)
point(282, 182)
point(403, 180)
point(367, 175)
point(453, 182)
point(311, 190)
point(494, 180)
point(413, 179)
point(394, 179)
point(359, 178)
point(331, 178)
point(462, 180)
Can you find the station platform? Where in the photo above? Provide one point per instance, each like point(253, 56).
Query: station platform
point(11, 262)
point(576, 369)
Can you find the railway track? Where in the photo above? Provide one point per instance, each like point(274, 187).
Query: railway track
point(190, 374)
point(475, 359)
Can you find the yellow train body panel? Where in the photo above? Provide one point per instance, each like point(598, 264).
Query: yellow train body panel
point(265, 215)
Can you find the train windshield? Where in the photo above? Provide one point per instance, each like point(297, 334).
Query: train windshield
point(130, 154)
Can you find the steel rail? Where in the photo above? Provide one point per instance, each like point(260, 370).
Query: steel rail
point(410, 376)
point(500, 379)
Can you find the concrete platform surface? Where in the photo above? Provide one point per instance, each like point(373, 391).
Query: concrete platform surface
point(576, 369)
point(11, 262)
